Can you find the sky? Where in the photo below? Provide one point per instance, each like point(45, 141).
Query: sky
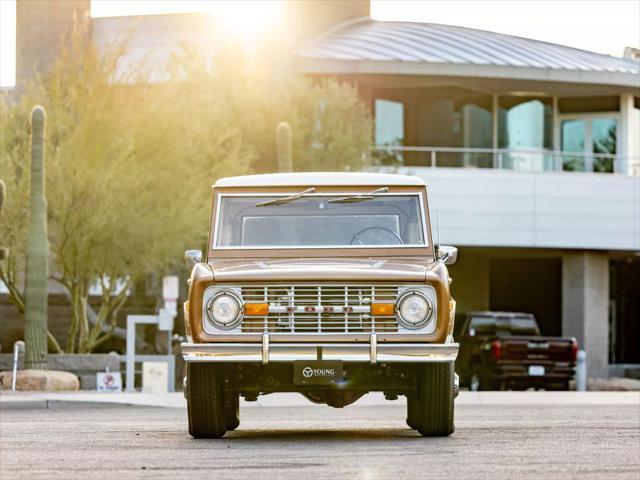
point(604, 26)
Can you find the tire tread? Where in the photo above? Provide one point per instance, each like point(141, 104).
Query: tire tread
point(205, 401)
point(435, 400)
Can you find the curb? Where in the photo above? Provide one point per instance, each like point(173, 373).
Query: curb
point(26, 404)
point(57, 400)
point(43, 401)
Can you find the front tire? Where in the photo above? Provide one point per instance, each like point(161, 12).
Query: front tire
point(434, 400)
point(205, 401)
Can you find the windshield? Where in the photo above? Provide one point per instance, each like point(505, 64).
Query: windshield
point(319, 221)
point(504, 326)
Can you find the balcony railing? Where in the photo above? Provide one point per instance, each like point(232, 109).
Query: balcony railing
point(529, 160)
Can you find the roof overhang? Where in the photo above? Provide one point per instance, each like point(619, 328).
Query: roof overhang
point(370, 47)
point(323, 66)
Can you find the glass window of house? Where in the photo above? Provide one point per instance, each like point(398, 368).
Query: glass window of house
point(389, 130)
point(389, 122)
point(603, 141)
point(453, 118)
point(593, 139)
point(573, 133)
point(526, 124)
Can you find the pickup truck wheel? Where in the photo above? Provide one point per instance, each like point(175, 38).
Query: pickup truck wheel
point(434, 400)
point(481, 382)
point(474, 382)
point(205, 401)
point(232, 410)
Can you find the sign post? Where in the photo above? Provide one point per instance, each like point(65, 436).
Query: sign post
point(164, 320)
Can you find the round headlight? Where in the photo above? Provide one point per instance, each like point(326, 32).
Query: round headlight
point(414, 309)
point(223, 309)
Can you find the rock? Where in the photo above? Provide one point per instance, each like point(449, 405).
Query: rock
point(40, 381)
point(84, 366)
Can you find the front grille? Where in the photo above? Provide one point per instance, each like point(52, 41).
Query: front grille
point(319, 308)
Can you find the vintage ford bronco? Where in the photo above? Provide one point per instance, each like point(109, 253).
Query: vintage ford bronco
point(326, 284)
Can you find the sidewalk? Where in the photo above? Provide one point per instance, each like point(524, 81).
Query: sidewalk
point(22, 400)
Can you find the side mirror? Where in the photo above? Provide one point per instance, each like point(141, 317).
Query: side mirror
point(194, 255)
point(447, 254)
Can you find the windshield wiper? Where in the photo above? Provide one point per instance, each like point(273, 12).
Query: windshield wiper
point(359, 197)
point(283, 200)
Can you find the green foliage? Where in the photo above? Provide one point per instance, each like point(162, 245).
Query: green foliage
point(331, 126)
point(130, 165)
point(14, 149)
point(37, 256)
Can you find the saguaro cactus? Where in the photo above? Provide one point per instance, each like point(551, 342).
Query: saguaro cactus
point(37, 258)
point(283, 146)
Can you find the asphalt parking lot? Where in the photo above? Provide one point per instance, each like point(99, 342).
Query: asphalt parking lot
point(301, 440)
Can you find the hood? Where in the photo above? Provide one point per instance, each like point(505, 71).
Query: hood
point(322, 269)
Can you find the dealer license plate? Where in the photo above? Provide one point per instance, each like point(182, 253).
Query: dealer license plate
point(317, 372)
point(536, 370)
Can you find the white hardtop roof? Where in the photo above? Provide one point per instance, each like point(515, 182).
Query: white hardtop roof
point(316, 179)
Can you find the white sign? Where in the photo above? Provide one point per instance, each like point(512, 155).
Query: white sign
point(154, 377)
point(170, 288)
point(109, 381)
point(165, 319)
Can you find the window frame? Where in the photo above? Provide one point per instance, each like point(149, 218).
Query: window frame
point(588, 118)
point(218, 196)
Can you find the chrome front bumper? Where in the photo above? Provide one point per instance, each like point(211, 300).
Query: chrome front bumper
point(370, 352)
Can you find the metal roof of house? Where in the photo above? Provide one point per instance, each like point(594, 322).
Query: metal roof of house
point(314, 179)
point(370, 46)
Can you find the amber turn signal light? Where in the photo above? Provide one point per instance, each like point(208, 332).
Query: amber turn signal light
point(383, 309)
point(256, 308)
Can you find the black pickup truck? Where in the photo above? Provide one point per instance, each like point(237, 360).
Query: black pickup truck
point(501, 350)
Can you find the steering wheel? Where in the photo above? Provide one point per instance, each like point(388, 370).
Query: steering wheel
point(356, 236)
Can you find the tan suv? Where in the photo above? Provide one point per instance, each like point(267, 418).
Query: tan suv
point(326, 284)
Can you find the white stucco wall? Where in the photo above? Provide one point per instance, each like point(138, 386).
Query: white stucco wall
point(500, 208)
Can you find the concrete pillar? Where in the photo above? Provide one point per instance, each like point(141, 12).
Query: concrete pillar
point(585, 306)
point(628, 144)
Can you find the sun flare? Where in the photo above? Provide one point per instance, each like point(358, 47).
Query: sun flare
point(244, 19)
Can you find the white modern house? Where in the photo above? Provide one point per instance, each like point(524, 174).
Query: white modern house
point(530, 150)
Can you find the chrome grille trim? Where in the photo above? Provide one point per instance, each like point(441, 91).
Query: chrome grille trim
point(304, 308)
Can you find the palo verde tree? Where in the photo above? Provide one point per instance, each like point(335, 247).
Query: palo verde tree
point(331, 125)
point(128, 183)
point(130, 164)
